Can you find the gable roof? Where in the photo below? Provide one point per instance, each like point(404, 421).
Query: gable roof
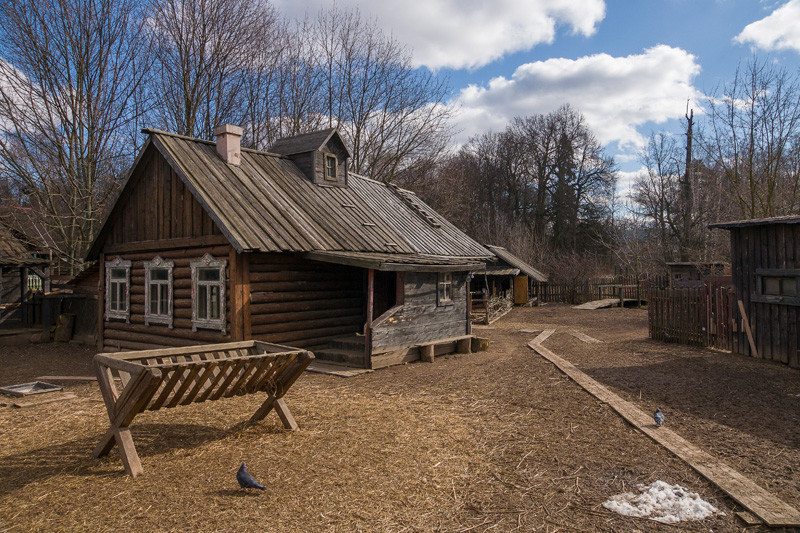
point(516, 262)
point(266, 204)
point(307, 142)
point(14, 252)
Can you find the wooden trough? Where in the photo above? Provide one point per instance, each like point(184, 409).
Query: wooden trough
point(156, 379)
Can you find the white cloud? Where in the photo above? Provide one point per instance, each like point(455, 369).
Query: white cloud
point(615, 94)
point(468, 33)
point(778, 31)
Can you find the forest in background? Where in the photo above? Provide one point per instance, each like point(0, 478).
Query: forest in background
point(79, 79)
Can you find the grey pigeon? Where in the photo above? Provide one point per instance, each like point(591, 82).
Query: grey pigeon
point(658, 416)
point(246, 481)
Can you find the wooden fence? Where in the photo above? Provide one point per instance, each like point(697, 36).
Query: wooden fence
point(702, 316)
point(587, 290)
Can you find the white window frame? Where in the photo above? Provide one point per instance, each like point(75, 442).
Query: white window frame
point(158, 264)
point(124, 314)
point(444, 289)
point(208, 323)
point(335, 160)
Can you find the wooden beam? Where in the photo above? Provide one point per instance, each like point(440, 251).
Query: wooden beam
point(166, 244)
point(746, 323)
point(368, 323)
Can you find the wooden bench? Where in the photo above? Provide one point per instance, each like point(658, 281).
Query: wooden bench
point(427, 350)
point(156, 379)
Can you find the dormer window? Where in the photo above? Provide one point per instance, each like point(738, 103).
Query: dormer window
point(330, 167)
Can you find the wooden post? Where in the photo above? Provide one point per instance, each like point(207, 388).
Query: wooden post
point(247, 331)
point(368, 324)
point(101, 300)
point(469, 306)
point(235, 290)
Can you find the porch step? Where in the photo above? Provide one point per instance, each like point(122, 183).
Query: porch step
point(353, 343)
point(341, 355)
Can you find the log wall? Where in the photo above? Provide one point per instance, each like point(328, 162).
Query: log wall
point(421, 319)
point(119, 335)
point(774, 325)
point(303, 303)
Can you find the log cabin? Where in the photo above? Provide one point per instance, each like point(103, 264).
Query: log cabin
point(765, 266)
point(210, 242)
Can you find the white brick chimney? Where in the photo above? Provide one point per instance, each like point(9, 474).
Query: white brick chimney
point(229, 143)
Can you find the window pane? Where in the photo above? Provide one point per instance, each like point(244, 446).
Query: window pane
point(208, 274)
point(159, 274)
point(213, 297)
point(771, 285)
point(164, 300)
point(154, 299)
point(788, 287)
point(123, 304)
point(113, 304)
point(118, 273)
point(202, 302)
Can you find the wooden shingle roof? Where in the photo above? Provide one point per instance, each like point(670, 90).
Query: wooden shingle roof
point(13, 252)
point(267, 204)
point(787, 219)
point(511, 259)
point(305, 142)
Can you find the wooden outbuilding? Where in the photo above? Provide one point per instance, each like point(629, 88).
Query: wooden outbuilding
point(508, 277)
point(765, 265)
point(21, 274)
point(209, 242)
point(687, 274)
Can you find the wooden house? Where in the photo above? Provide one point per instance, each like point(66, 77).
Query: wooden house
point(21, 273)
point(208, 242)
point(689, 274)
point(509, 277)
point(765, 265)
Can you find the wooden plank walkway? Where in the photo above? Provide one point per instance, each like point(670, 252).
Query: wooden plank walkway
point(600, 304)
point(762, 503)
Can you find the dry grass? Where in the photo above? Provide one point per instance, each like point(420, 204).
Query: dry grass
point(496, 441)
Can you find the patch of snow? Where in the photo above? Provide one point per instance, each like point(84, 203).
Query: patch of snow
point(662, 502)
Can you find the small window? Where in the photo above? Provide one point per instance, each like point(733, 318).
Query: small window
point(778, 286)
point(445, 292)
point(208, 294)
point(118, 275)
point(158, 292)
point(330, 167)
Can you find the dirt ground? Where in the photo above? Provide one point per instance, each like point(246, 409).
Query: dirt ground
point(493, 441)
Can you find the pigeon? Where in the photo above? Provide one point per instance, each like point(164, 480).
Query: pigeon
point(658, 416)
point(246, 481)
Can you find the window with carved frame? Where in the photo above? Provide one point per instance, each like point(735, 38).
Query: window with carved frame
point(158, 292)
point(118, 281)
point(208, 293)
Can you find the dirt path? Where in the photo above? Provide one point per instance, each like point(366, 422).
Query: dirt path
point(495, 441)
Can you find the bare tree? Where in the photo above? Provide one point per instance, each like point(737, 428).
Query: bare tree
point(392, 115)
point(206, 53)
point(753, 132)
point(70, 80)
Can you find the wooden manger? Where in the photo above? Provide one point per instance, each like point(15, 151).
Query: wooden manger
point(156, 379)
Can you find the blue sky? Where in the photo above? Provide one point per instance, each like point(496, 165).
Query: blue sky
point(629, 67)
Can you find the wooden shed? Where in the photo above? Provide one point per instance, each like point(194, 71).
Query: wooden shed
point(208, 242)
point(508, 276)
point(686, 274)
point(21, 273)
point(765, 265)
